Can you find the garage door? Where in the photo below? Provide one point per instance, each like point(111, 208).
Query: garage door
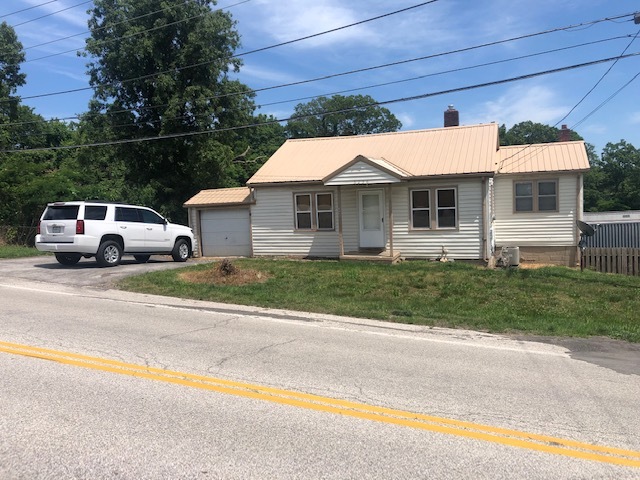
point(225, 233)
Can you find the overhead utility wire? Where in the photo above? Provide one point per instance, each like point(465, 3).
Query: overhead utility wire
point(179, 69)
point(124, 37)
point(373, 104)
point(50, 14)
point(326, 77)
point(258, 50)
point(102, 28)
point(598, 82)
point(26, 9)
point(395, 82)
point(516, 163)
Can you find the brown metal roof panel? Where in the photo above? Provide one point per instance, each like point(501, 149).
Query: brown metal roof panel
point(548, 157)
point(220, 196)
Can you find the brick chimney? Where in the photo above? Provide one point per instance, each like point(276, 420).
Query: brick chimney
point(564, 134)
point(451, 117)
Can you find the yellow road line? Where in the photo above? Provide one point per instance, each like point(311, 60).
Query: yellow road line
point(514, 438)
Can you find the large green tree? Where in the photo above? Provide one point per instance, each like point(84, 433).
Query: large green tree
point(614, 180)
point(339, 115)
point(28, 180)
point(165, 74)
point(528, 132)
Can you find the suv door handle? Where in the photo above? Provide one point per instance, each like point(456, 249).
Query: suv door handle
point(149, 228)
point(123, 227)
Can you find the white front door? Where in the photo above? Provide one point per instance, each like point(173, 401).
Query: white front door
point(371, 209)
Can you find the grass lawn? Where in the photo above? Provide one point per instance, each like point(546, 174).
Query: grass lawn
point(544, 301)
point(17, 251)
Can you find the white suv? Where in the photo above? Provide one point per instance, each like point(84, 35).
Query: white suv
point(109, 230)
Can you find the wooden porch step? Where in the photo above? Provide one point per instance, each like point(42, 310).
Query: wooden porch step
point(372, 255)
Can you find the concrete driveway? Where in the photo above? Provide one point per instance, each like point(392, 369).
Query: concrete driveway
point(87, 273)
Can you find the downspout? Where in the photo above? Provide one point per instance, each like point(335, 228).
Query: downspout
point(199, 231)
point(579, 209)
point(390, 220)
point(485, 233)
point(340, 236)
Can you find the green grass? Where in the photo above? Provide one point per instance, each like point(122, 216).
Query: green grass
point(17, 251)
point(546, 301)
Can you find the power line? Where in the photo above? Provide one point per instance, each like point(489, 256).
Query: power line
point(503, 163)
point(420, 77)
point(26, 9)
point(326, 77)
point(387, 102)
point(50, 14)
point(598, 82)
point(125, 37)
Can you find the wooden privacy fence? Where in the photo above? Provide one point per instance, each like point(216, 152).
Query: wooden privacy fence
point(625, 261)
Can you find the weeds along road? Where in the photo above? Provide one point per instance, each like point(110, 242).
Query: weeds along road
point(98, 383)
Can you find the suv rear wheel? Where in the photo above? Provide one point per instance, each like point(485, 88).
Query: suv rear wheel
point(180, 251)
point(68, 258)
point(109, 254)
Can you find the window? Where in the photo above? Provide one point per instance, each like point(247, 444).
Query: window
point(446, 208)
point(420, 211)
point(536, 196)
point(124, 214)
point(95, 212)
point(314, 211)
point(65, 212)
point(150, 217)
point(324, 211)
point(445, 214)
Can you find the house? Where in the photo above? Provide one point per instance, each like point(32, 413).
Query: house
point(449, 191)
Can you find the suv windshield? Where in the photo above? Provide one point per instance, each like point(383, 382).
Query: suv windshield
point(61, 212)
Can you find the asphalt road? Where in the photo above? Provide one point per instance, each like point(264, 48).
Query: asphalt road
point(120, 414)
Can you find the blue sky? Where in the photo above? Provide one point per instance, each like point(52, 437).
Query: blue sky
point(440, 27)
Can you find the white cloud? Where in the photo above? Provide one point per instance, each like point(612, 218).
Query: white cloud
point(288, 20)
point(57, 11)
point(408, 120)
point(537, 103)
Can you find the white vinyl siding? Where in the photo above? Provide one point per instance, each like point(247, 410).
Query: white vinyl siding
point(463, 242)
point(273, 226)
point(537, 228)
point(361, 173)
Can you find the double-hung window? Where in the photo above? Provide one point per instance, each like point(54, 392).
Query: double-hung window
point(434, 208)
point(536, 196)
point(314, 211)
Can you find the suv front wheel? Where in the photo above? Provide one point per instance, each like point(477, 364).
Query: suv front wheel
point(180, 251)
point(109, 254)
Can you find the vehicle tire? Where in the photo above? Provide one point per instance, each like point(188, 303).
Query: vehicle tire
point(142, 258)
point(109, 254)
point(68, 258)
point(180, 252)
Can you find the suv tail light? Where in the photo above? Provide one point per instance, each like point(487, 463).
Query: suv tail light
point(38, 228)
point(79, 227)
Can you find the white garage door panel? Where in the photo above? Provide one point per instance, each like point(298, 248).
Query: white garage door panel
point(225, 233)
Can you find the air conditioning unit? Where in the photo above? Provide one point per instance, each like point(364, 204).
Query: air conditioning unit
point(511, 256)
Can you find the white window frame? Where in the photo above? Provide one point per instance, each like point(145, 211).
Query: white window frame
point(434, 208)
point(314, 211)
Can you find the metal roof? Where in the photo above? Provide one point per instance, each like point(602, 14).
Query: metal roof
point(542, 157)
point(419, 153)
point(221, 196)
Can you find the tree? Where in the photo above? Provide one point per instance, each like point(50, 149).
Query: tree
point(525, 133)
point(614, 180)
point(339, 115)
point(166, 73)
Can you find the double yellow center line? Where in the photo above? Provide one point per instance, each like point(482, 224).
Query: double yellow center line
point(514, 438)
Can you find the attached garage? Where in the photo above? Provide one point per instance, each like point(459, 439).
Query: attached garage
point(221, 222)
point(226, 232)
